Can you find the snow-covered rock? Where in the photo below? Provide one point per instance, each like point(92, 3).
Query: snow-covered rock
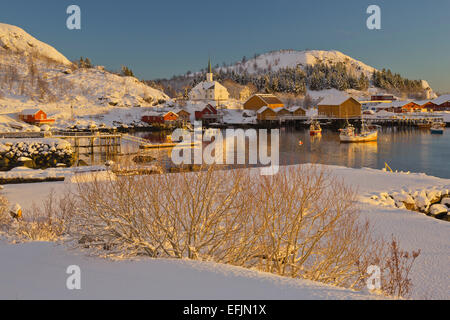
point(446, 202)
point(422, 201)
point(438, 209)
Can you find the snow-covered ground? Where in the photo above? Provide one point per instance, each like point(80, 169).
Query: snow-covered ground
point(37, 270)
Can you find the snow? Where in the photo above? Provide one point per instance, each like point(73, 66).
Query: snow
point(334, 100)
point(16, 39)
point(38, 271)
point(291, 58)
point(441, 99)
point(173, 279)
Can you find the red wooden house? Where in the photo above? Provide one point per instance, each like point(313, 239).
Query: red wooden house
point(411, 107)
point(442, 103)
point(430, 106)
point(156, 117)
point(170, 116)
point(35, 116)
point(208, 114)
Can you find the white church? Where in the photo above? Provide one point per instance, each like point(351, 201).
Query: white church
point(209, 90)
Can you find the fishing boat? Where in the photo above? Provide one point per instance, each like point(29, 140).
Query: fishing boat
point(437, 128)
point(315, 129)
point(348, 134)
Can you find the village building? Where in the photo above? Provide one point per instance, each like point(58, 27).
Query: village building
point(160, 117)
point(183, 115)
point(35, 116)
point(209, 90)
point(411, 107)
point(395, 107)
point(340, 107)
point(208, 114)
point(297, 111)
point(266, 114)
point(442, 103)
point(257, 101)
point(282, 112)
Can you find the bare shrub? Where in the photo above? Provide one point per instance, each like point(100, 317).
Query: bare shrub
point(300, 223)
point(197, 215)
point(397, 268)
point(49, 222)
point(5, 218)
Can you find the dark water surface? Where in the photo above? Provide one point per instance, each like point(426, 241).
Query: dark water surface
point(415, 150)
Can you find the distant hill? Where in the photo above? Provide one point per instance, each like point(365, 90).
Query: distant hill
point(296, 72)
point(34, 72)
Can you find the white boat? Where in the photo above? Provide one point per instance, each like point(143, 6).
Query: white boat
point(437, 128)
point(349, 134)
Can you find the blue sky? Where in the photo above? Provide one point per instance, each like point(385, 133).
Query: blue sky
point(163, 38)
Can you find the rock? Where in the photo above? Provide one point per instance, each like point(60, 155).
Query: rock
point(422, 202)
point(384, 195)
point(446, 202)
point(406, 199)
point(438, 209)
point(434, 196)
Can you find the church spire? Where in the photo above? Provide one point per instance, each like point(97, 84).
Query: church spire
point(209, 75)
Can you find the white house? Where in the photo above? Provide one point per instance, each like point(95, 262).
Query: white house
point(209, 90)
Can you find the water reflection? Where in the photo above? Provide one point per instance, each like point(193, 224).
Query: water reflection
point(403, 149)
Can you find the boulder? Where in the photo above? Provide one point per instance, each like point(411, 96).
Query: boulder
point(438, 210)
point(406, 199)
point(446, 202)
point(422, 202)
point(434, 196)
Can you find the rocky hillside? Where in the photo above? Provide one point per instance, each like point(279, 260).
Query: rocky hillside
point(32, 72)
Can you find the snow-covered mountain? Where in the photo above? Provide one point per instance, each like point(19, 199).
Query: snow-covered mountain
point(276, 60)
point(33, 73)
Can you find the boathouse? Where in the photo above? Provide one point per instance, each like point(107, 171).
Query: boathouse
point(297, 111)
point(265, 114)
point(339, 107)
point(442, 103)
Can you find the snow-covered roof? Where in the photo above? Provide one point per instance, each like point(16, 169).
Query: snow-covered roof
point(295, 108)
point(334, 100)
point(441, 99)
point(206, 85)
point(269, 98)
point(153, 114)
point(30, 112)
point(393, 104)
point(276, 110)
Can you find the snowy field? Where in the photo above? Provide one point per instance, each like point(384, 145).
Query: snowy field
point(37, 270)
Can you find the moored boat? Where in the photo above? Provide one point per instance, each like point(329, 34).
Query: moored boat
point(366, 135)
point(315, 129)
point(437, 128)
